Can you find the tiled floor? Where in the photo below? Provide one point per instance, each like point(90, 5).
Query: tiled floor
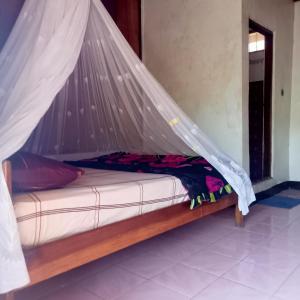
point(210, 259)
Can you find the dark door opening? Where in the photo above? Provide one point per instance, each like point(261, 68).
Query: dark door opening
point(127, 15)
point(260, 101)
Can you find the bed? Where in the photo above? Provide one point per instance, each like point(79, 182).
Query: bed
point(96, 199)
point(98, 230)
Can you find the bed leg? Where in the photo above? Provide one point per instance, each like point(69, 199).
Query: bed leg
point(239, 219)
point(6, 165)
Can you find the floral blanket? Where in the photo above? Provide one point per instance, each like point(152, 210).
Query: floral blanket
point(201, 180)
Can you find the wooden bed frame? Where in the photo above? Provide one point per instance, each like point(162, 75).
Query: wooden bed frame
point(63, 255)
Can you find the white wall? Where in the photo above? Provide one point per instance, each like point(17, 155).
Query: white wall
point(276, 15)
point(198, 50)
point(194, 48)
point(295, 108)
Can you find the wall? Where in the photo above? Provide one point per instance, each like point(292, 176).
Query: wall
point(194, 48)
point(9, 10)
point(295, 108)
point(276, 15)
point(198, 50)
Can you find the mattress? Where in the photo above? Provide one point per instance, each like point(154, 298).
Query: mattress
point(96, 199)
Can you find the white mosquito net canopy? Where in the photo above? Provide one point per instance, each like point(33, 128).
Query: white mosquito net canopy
point(70, 80)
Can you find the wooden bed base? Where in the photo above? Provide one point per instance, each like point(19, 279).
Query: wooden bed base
point(63, 255)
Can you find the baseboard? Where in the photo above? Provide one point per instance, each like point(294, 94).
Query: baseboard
point(277, 189)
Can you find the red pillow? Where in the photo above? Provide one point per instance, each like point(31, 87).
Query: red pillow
point(32, 172)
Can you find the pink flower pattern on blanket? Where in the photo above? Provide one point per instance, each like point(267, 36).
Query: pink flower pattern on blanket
point(214, 184)
point(174, 158)
point(128, 159)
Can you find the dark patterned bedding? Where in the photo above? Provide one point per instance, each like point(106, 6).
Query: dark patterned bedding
point(202, 181)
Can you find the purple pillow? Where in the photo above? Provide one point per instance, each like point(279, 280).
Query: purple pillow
point(32, 172)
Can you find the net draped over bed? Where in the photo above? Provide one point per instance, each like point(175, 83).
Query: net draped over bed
point(70, 82)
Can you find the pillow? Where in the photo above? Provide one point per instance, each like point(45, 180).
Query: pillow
point(32, 172)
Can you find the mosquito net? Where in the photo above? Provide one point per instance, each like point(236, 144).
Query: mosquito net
point(70, 82)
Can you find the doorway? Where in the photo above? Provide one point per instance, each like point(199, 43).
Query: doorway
point(127, 15)
point(260, 49)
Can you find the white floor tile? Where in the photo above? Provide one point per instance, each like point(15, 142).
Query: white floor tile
point(264, 279)
point(111, 283)
point(211, 262)
point(273, 258)
point(184, 279)
point(147, 264)
point(152, 291)
point(291, 287)
point(223, 289)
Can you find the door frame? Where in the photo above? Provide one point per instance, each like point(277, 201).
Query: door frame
point(268, 85)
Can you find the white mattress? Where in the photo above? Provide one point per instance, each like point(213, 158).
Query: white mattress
point(97, 198)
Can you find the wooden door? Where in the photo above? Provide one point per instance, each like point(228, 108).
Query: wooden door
point(127, 15)
point(256, 129)
point(260, 112)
